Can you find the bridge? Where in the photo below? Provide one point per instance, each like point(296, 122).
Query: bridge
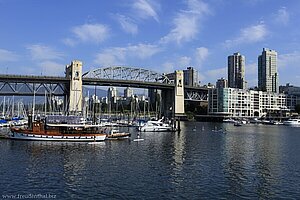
point(24, 85)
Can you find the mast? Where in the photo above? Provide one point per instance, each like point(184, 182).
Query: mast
point(3, 108)
point(13, 107)
point(33, 106)
point(45, 103)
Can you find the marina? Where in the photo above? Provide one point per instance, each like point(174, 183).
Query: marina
point(258, 161)
point(149, 99)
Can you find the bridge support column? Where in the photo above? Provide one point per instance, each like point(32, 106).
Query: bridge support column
point(179, 93)
point(74, 73)
point(167, 97)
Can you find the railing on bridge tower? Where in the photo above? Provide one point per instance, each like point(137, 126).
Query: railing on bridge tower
point(128, 73)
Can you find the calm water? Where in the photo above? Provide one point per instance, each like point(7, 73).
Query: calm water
point(249, 162)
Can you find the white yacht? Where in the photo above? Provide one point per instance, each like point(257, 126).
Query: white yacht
point(292, 122)
point(156, 126)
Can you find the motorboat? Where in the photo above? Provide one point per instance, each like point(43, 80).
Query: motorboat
point(292, 122)
point(115, 134)
point(156, 126)
point(229, 120)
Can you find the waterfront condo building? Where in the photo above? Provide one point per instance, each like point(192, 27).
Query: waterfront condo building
point(233, 102)
point(236, 71)
point(267, 71)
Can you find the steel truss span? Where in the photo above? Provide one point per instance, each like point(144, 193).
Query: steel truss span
point(128, 73)
point(28, 86)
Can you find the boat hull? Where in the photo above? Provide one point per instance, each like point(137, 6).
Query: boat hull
point(156, 129)
point(67, 138)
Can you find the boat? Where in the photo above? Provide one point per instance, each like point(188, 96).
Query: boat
point(292, 122)
point(237, 124)
point(138, 139)
point(230, 120)
point(156, 126)
point(117, 135)
point(40, 130)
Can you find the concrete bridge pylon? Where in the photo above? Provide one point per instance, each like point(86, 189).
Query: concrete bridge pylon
point(179, 93)
point(74, 74)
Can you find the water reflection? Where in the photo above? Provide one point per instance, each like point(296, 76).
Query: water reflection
point(252, 159)
point(179, 153)
point(250, 162)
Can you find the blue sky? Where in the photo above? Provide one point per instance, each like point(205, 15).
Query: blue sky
point(42, 36)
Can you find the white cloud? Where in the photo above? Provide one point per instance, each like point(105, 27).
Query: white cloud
point(119, 55)
point(288, 68)
point(187, 22)
point(145, 9)
point(88, 33)
point(51, 68)
point(168, 67)
point(201, 54)
point(289, 60)
point(6, 55)
point(127, 24)
point(251, 34)
point(69, 42)
point(184, 61)
point(282, 16)
point(42, 52)
point(215, 74)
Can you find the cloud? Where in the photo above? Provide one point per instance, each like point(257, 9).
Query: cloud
point(289, 60)
point(7, 56)
point(187, 22)
point(184, 61)
point(168, 67)
point(127, 24)
point(251, 34)
point(215, 74)
point(201, 54)
point(88, 33)
point(69, 42)
point(52, 68)
point(145, 10)
point(119, 55)
point(42, 52)
point(282, 16)
point(288, 67)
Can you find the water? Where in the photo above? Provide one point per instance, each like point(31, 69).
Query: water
point(248, 162)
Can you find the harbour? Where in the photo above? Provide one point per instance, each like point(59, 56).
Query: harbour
point(253, 161)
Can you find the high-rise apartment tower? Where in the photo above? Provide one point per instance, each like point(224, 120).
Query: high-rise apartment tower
point(267, 71)
point(236, 71)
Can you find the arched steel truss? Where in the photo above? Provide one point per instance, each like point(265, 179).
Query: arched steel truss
point(128, 73)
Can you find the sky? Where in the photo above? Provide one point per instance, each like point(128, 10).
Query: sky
point(40, 37)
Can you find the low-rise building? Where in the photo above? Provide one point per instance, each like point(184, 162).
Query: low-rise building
point(233, 102)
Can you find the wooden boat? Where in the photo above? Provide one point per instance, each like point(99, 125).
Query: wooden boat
point(116, 135)
point(39, 130)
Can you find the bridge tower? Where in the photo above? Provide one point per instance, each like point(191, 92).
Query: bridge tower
point(74, 73)
point(173, 100)
point(179, 93)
